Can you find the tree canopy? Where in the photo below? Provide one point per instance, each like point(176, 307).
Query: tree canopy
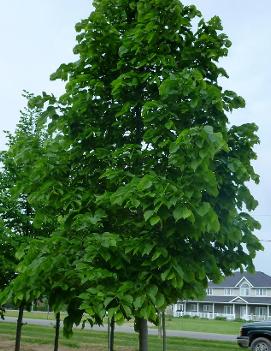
point(141, 172)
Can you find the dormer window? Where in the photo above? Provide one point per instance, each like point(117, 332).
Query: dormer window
point(209, 291)
point(244, 289)
point(228, 292)
point(261, 292)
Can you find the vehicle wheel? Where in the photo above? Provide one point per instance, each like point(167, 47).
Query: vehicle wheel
point(261, 344)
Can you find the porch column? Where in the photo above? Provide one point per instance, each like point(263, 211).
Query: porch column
point(184, 307)
point(197, 309)
point(174, 309)
point(233, 311)
point(213, 311)
point(246, 311)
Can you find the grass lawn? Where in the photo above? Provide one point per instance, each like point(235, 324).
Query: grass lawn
point(34, 315)
point(204, 325)
point(188, 324)
point(41, 338)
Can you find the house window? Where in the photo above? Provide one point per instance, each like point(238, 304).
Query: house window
point(193, 307)
point(261, 292)
point(207, 308)
point(180, 307)
point(228, 309)
point(260, 311)
point(228, 292)
point(209, 291)
point(244, 289)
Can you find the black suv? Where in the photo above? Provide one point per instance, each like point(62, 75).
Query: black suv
point(256, 335)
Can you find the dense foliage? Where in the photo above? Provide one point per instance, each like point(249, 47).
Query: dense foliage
point(141, 176)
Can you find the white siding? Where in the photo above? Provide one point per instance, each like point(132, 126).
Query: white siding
point(236, 292)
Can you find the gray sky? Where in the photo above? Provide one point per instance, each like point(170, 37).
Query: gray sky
point(37, 36)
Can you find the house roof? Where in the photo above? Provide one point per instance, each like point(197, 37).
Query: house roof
point(258, 300)
point(231, 299)
point(218, 298)
point(257, 279)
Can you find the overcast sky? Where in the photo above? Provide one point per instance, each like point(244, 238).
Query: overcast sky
point(36, 36)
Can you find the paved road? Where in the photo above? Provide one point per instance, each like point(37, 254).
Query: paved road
point(129, 329)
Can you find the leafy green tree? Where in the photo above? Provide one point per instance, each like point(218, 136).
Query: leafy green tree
point(15, 216)
point(7, 257)
point(142, 168)
point(16, 213)
point(44, 276)
point(14, 224)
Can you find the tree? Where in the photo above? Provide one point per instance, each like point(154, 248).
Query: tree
point(7, 257)
point(142, 167)
point(13, 222)
point(16, 213)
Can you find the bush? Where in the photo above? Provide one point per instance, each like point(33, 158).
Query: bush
point(240, 320)
point(220, 318)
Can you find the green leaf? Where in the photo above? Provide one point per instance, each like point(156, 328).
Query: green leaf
point(148, 214)
point(127, 310)
point(181, 212)
point(160, 300)
point(20, 252)
point(152, 290)
point(170, 125)
point(154, 220)
point(173, 148)
point(139, 301)
point(204, 209)
point(147, 248)
point(122, 50)
point(165, 274)
point(157, 254)
point(145, 183)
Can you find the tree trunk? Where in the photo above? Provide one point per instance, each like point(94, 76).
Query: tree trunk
point(19, 328)
point(159, 329)
point(112, 334)
point(164, 331)
point(48, 311)
point(143, 334)
point(57, 331)
point(108, 334)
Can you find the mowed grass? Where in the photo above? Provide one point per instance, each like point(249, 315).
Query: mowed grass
point(98, 340)
point(34, 315)
point(204, 325)
point(187, 324)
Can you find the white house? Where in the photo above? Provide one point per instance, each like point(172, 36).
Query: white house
point(242, 295)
